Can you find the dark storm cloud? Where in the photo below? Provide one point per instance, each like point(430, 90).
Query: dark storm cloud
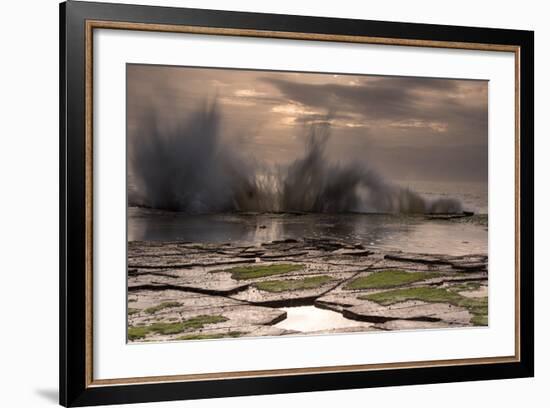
point(393, 99)
point(409, 128)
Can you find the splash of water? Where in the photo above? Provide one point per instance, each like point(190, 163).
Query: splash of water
point(189, 168)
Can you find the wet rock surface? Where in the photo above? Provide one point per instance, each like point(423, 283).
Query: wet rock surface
point(194, 291)
point(408, 310)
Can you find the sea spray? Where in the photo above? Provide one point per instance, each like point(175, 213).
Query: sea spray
point(185, 167)
point(189, 168)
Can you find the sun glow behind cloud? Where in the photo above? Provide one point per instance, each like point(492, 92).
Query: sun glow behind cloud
point(409, 127)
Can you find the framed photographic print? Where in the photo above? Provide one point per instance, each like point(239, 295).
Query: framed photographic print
point(256, 203)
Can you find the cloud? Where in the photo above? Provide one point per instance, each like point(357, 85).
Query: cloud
point(408, 127)
point(436, 104)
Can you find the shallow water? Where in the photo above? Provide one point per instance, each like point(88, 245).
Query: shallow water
point(382, 232)
point(311, 318)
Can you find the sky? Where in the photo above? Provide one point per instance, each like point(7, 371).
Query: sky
point(407, 128)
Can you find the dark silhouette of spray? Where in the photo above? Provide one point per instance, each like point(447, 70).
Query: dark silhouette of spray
point(188, 168)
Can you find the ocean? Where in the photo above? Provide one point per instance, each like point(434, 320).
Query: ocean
point(414, 233)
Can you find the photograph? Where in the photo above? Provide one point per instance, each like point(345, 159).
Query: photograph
point(255, 203)
point(278, 203)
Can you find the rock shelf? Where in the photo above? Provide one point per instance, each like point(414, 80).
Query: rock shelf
point(193, 291)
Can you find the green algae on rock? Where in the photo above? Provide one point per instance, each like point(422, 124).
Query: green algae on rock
point(133, 311)
point(262, 271)
point(478, 307)
point(422, 293)
point(465, 287)
point(159, 307)
point(137, 332)
point(193, 323)
point(480, 320)
point(389, 278)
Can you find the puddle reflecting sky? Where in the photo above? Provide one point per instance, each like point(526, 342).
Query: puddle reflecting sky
point(311, 318)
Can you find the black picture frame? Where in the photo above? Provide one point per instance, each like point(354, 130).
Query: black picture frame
point(77, 387)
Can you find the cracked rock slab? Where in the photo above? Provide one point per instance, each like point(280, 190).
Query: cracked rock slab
point(206, 286)
point(417, 258)
point(169, 307)
point(411, 325)
point(408, 310)
point(290, 297)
